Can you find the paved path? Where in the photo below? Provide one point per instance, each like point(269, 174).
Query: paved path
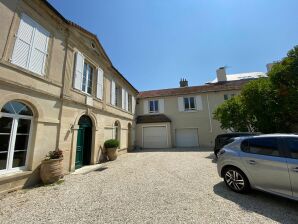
point(147, 187)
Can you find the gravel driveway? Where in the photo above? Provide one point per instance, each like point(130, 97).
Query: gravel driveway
point(176, 186)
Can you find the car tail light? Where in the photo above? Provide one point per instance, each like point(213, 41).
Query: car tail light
point(222, 151)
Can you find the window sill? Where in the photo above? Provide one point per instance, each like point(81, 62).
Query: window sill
point(119, 108)
point(12, 175)
point(29, 73)
point(190, 111)
point(81, 92)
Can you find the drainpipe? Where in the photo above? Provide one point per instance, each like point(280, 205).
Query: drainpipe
point(210, 121)
point(209, 113)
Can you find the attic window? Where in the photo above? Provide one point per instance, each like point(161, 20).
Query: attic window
point(93, 45)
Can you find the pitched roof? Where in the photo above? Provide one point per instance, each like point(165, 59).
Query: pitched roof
point(241, 76)
point(154, 118)
point(213, 87)
point(69, 22)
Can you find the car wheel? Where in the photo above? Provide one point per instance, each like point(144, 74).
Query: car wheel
point(236, 180)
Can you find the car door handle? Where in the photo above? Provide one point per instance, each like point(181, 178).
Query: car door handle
point(252, 162)
point(295, 169)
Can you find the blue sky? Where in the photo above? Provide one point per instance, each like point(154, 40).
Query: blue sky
point(154, 43)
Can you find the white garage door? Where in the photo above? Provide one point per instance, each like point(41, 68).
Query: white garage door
point(155, 137)
point(187, 137)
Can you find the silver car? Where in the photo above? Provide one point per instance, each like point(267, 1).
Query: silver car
point(266, 162)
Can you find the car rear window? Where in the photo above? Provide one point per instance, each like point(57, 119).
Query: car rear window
point(262, 146)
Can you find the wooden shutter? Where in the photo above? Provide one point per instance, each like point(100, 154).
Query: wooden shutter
point(181, 104)
point(146, 110)
point(39, 50)
point(99, 87)
point(199, 103)
point(24, 40)
point(78, 72)
point(161, 106)
point(31, 46)
point(133, 104)
point(113, 92)
point(126, 100)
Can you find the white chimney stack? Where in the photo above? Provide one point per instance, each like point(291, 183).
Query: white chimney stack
point(221, 74)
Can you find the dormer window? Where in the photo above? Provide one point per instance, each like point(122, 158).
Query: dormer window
point(153, 106)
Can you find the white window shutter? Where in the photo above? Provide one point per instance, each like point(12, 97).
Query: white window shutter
point(161, 106)
point(199, 103)
point(180, 104)
point(123, 99)
point(133, 104)
point(78, 72)
point(24, 40)
point(113, 92)
point(99, 87)
point(39, 50)
point(146, 110)
point(126, 100)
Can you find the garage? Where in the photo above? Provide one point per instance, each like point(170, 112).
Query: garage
point(155, 137)
point(187, 137)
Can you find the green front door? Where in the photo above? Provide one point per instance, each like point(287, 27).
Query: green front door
point(84, 139)
point(80, 148)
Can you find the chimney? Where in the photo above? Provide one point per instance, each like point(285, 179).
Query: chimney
point(183, 83)
point(221, 74)
point(269, 66)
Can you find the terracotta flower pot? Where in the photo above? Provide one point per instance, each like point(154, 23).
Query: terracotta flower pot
point(112, 153)
point(51, 170)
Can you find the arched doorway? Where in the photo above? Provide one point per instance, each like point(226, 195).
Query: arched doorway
point(84, 142)
point(15, 127)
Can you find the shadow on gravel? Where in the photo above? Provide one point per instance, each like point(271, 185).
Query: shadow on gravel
point(212, 157)
point(191, 149)
point(100, 169)
point(279, 209)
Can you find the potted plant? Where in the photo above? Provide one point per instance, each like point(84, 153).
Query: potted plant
point(51, 169)
point(111, 146)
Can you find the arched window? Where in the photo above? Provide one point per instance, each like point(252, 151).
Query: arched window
point(15, 125)
point(116, 131)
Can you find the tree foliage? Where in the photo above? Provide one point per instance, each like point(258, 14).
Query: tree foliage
point(266, 105)
point(232, 115)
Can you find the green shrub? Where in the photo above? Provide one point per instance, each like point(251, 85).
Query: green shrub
point(111, 143)
point(56, 154)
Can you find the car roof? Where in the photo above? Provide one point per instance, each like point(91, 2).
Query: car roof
point(238, 134)
point(267, 135)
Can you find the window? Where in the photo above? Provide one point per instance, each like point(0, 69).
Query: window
point(129, 103)
point(118, 96)
point(261, 146)
point(189, 103)
point(227, 96)
point(153, 106)
point(87, 78)
point(31, 46)
point(292, 147)
point(15, 123)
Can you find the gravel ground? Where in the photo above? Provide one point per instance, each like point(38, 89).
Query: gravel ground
point(147, 187)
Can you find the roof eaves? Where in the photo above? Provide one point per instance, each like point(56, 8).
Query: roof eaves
point(69, 22)
point(125, 79)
